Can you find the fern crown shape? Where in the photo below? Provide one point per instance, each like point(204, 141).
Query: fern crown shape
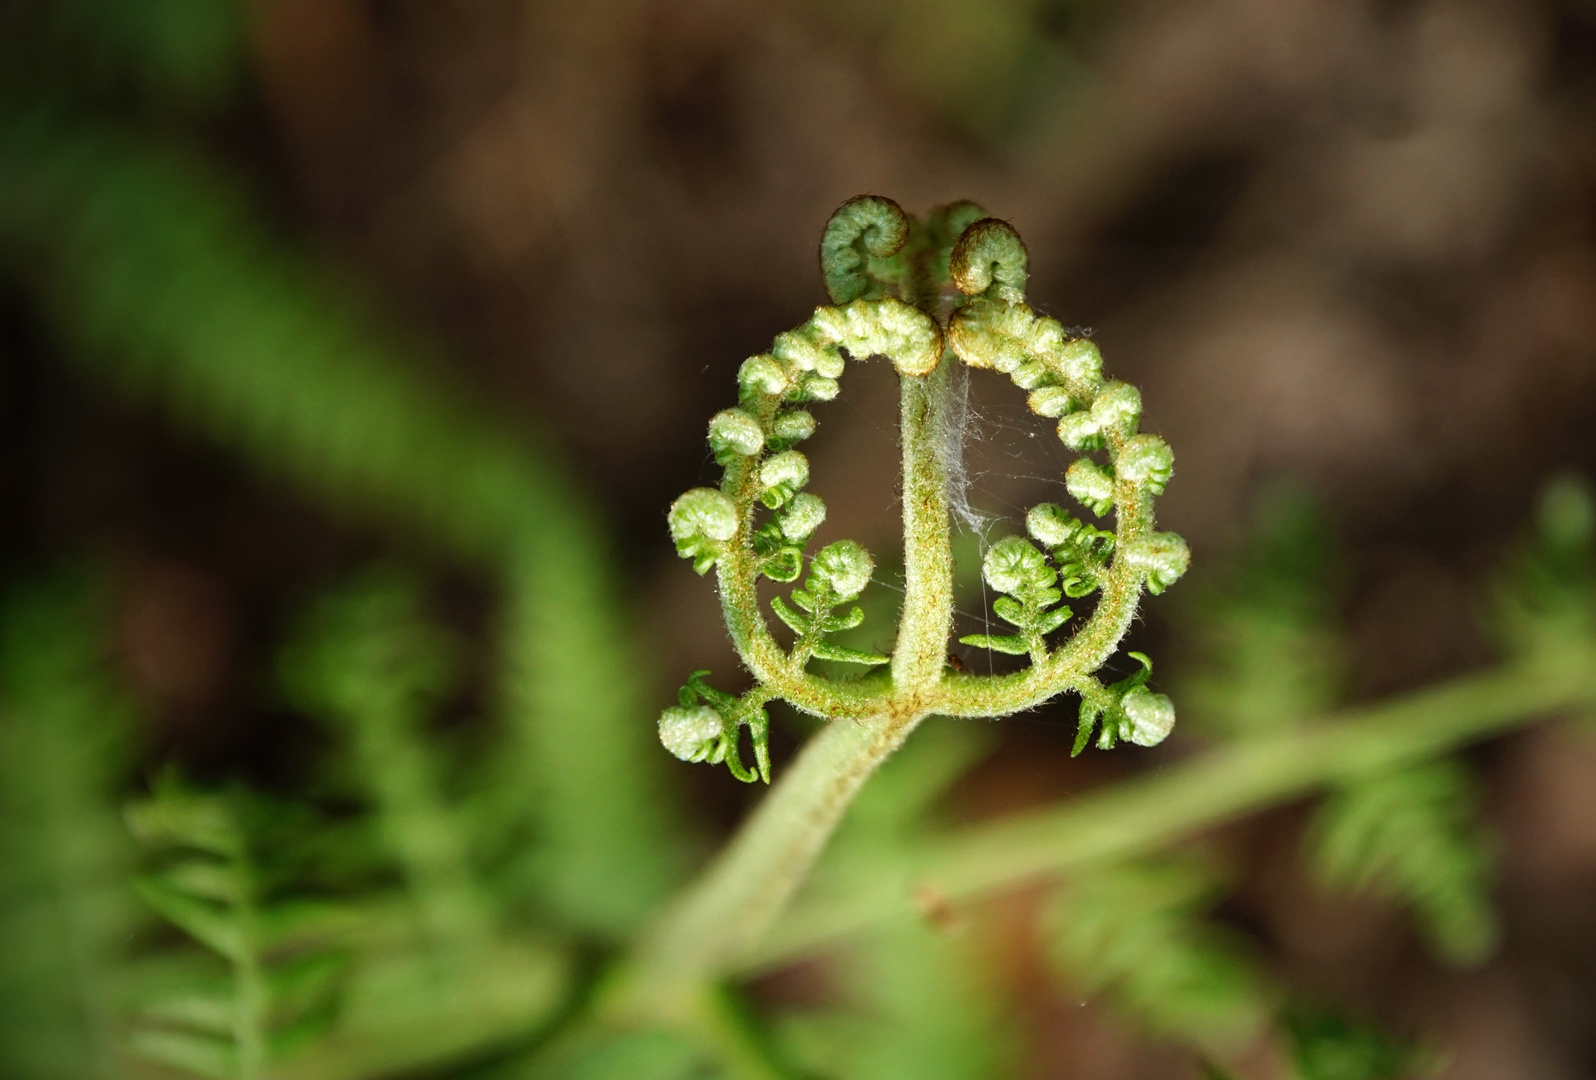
point(926, 296)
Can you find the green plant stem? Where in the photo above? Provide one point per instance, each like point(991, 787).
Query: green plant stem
point(927, 620)
point(734, 902)
point(1137, 816)
point(747, 886)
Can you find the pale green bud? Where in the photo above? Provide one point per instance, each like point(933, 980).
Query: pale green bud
point(990, 334)
point(990, 257)
point(802, 517)
point(1050, 401)
point(1164, 557)
point(789, 467)
point(1030, 375)
point(1077, 430)
point(1146, 459)
point(703, 512)
point(1014, 565)
point(792, 426)
point(690, 734)
point(1046, 337)
point(799, 349)
point(1117, 407)
point(1150, 717)
point(1089, 483)
point(1081, 362)
point(818, 388)
point(762, 375)
point(845, 566)
point(734, 433)
point(1051, 525)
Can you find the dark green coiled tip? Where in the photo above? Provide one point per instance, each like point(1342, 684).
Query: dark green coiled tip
point(863, 228)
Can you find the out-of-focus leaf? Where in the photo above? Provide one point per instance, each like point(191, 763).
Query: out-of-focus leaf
point(1413, 836)
point(1271, 652)
point(917, 1007)
point(1544, 608)
point(156, 276)
point(1327, 1046)
point(610, 1055)
point(1134, 933)
point(65, 909)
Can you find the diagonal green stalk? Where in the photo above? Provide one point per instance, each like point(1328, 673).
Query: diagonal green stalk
point(1141, 815)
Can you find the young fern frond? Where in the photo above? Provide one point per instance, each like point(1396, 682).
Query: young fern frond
point(927, 297)
point(890, 298)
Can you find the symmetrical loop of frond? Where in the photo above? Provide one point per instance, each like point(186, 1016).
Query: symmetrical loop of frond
point(924, 295)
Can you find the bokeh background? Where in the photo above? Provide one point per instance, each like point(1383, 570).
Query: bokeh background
point(1346, 241)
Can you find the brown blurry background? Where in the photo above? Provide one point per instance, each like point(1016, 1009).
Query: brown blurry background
point(1347, 241)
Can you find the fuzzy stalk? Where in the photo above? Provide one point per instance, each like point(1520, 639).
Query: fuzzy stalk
point(927, 619)
point(742, 892)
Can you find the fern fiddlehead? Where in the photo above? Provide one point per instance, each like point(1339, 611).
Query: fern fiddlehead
point(927, 297)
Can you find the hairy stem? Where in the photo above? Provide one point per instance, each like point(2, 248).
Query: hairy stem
point(1137, 816)
point(746, 887)
point(921, 650)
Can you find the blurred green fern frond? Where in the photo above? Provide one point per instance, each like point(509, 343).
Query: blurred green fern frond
point(1272, 653)
point(918, 1004)
point(278, 990)
point(1544, 608)
point(159, 281)
point(1413, 836)
point(366, 662)
point(65, 859)
point(1327, 1046)
point(1135, 932)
